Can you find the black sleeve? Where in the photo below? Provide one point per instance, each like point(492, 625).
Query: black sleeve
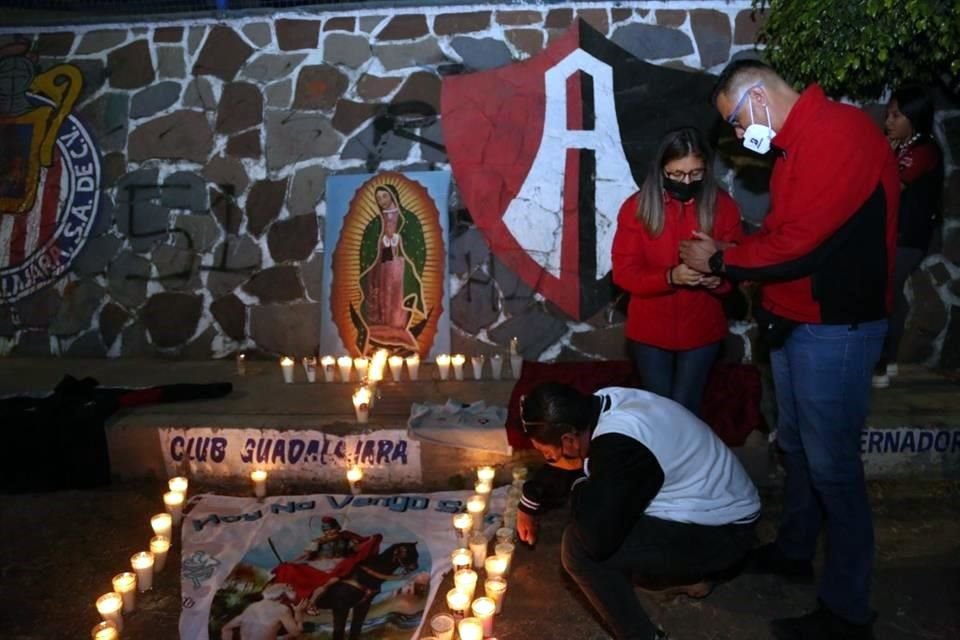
point(624, 477)
point(546, 489)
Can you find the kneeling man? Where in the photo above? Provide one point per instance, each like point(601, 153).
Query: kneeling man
point(661, 495)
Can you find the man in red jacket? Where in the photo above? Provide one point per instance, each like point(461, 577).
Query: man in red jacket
point(824, 256)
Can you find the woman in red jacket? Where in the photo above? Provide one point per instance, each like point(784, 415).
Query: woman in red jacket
point(675, 321)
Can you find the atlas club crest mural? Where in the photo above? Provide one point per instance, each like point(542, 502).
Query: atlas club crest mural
point(49, 174)
point(546, 150)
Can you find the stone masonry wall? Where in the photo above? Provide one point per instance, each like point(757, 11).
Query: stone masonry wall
point(217, 138)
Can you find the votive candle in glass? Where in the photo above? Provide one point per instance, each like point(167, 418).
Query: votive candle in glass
point(259, 479)
point(159, 546)
point(162, 525)
point(126, 585)
point(354, 477)
point(310, 368)
point(286, 365)
point(466, 581)
point(142, 563)
point(443, 365)
point(461, 559)
point(178, 483)
point(470, 629)
point(396, 367)
point(483, 489)
point(241, 364)
point(361, 404)
point(484, 608)
point(110, 607)
point(496, 366)
point(478, 548)
point(443, 626)
point(173, 500)
point(495, 566)
point(486, 474)
point(362, 365)
point(476, 507)
point(519, 474)
point(496, 588)
point(413, 366)
point(476, 362)
point(505, 535)
point(106, 630)
point(516, 366)
point(505, 550)
point(328, 364)
point(457, 361)
point(463, 523)
point(377, 366)
point(345, 363)
point(458, 601)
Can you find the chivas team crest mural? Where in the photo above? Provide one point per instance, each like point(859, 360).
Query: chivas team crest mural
point(543, 152)
point(49, 174)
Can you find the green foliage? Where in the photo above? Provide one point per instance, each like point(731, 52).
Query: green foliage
point(857, 48)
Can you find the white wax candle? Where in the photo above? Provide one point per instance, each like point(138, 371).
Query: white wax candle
point(486, 474)
point(345, 363)
point(466, 581)
point(354, 476)
point(178, 484)
point(483, 489)
point(106, 630)
point(505, 535)
point(162, 524)
point(362, 365)
point(484, 608)
point(514, 343)
point(519, 474)
point(476, 362)
point(413, 366)
point(110, 607)
point(495, 566)
point(511, 505)
point(458, 602)
point(463, 523)
point(159, 546)
point(378, 364)
point(457, 361)
point(310, 368)
point(173, 500)
point(286, 365)
point(496, 366)
point(460, 559)
point(514, 492)
point(516, 366)
point(470, 629)
point(505, 550)
point(142, 564)
point(476, 507)
point(478, 548)
point(496, 588)
point(126, 585)
point(361, 404)
point(241, 364)
point(510, 520)
point(259, 479)
point(443, 626)
point(396, 367)
point(443, 365)
point(328, 364)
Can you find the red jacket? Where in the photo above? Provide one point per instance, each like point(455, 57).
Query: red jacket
point(826, 247)
point(674, 318)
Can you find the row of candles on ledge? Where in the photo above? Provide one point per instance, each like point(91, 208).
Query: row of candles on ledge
point(471, 616)
point(122, 600)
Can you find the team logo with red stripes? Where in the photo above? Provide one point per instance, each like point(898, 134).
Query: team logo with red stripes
point(49, 176)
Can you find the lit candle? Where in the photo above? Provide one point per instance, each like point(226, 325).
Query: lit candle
point(310, 368)
point(162, 524)
point(457, 361)
point(443, 626)
point(505, 535)
point(361, 404)
point(396, 367)
point(259, 479)
point(514, 343)
point(470, 629)
point(484, 608)
point(126, 585)
point(519, 474)
point(286, 365)
point(516, 366)
point(178, 484)
point(110, 607)
point(159, 546)
point(241, 364)
point(344, 363)
point(505, 550)
point(496, 588)
point(477, 363)
point(362, 365)
point(378, 365)
point(461, 559)
point(106, 630)
point(173, 500)
point(142, 564)
point(458, 602)
point(476, 506)
point(486, 474)
point(443, 365)
point(328, 363)
point(483, 489)
point(495, 566)
point(463, 523)
point(354, 476)
point(478, 548)
point(413, 366)
point(496, 366)
point(466, 581)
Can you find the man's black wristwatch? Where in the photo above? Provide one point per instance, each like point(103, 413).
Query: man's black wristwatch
point(716, 263)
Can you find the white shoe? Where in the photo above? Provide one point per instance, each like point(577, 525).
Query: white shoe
point(881, 381)
point(893, 369)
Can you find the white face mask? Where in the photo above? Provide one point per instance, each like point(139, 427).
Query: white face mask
point(757, 136)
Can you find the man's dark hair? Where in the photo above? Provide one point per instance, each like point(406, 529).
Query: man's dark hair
point(731, 75)
point(917, 105)
point(553, 409)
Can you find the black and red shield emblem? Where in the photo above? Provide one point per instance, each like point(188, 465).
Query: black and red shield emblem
point(546, 150)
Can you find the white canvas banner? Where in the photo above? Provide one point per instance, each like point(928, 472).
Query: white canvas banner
point(387, 456)
point(317, 564)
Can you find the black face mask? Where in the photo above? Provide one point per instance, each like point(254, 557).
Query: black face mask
point(683, 191)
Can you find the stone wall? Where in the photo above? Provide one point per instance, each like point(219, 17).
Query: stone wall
point(217, 138)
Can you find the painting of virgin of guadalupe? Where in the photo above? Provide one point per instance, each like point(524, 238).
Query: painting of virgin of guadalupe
point(388, 268)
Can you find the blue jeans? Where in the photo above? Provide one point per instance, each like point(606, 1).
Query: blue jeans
point(678, 375)
point(822, 380)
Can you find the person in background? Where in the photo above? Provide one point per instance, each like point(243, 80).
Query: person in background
point(675, 319)
point(909, 128)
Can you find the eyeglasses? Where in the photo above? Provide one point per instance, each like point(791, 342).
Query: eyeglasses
point(696, 174)
point(732, 118)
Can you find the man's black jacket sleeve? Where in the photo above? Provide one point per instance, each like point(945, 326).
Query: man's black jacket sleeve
point(624, 477)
